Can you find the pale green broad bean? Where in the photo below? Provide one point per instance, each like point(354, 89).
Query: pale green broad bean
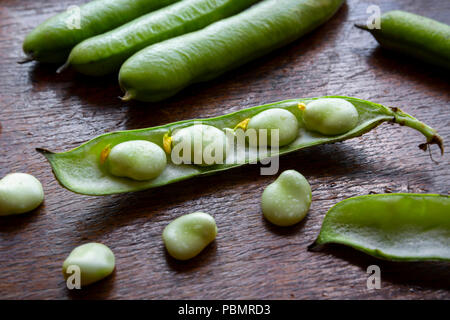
point(20, 193)
point(275, 119)
point(286, 201)
point(202, 141)
point(186, 236)
point(137, 159)
point(330, 116)
point(94, 260)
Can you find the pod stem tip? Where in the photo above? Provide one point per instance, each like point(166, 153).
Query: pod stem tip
point(43, 151)
point(127, 96)
point(28, 58)
point(315, 247)
point(361, 26)
point(63, 67)
point(405, 119)
point(436, 139)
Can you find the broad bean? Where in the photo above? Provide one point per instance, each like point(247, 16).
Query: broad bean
point(205, 145)
point(137, 159)
point(94, 260)
point(186, 236)
point(330, 116)
point(275, 119)
point(20, 193)
point(286, 201)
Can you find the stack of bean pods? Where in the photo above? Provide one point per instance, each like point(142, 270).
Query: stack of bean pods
point(158, 53)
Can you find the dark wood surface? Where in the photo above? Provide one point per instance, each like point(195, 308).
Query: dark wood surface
point(250, 258)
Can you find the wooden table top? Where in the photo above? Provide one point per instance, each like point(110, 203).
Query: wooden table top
point(250, 259)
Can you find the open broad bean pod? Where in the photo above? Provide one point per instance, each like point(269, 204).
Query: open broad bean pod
point(86, 169)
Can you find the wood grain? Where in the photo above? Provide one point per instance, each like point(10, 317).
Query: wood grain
point(250, 259)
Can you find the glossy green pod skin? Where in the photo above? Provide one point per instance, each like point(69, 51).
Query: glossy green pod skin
point(52, 40)
point(161, 70)
point(420, 37)
point(394, 226)
point(80, 170)
point(105, 53)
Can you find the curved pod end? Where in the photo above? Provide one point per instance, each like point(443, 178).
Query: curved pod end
point(127, 96)
point(65, 66)
point(28, 58)
point(393, 226)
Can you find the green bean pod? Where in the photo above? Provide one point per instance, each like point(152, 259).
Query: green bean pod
point(394, 226)
point(84, 169)
point(52, 40)
point(163, 69)
point(420, 37)
point(105, 53)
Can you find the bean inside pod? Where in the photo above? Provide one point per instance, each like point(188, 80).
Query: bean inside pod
point(330, 116)
point(280, 121)
point(198, 144)
point(137, 159)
